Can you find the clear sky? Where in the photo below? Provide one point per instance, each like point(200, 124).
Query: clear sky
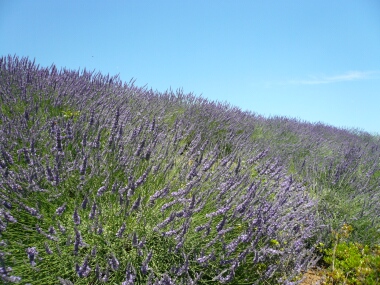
point(311, 60)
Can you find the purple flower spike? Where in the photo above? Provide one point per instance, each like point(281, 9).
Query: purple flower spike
point(7, 157)
point(93, 251)
point(78, 241)
point(84, 203)
point(32, 252)
point(113, 262)
point(61, 228)
point(136, 205)
point(104, 276)
point(47, 249)
point(76, 217)
point(159, 194)
point(120, 232)
point(52, 230)
point(9, 217)
point(91, 216)
point(130, 275)
point(61, 209)
point(220, 226)
point(83, 270)
point(83, 167)
point(134, 239)
point(58, 139)
point(101, 191)
point(33, 212)
point(144, 267)
point(221, 211)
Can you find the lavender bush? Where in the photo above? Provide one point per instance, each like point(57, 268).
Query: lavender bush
point(105, 182)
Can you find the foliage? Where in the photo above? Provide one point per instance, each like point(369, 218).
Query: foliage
point(105, 182)
point(351, 263)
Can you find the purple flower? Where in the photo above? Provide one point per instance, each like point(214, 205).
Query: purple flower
point(32, 211)
point(101, 191)
point(116, 120)
point(32, 252)
point(47, 249)
point(142, 178)
point(136, 204)
point(153, 124)
point(193, 172)
point(226, 279)
point(167, 205)
point(92, 119)
point(113, 262)
point(78, 241)
point(114, 188)
point(204, 226)
point(169, 233)
point(99, 230)
point(69, 131)
point(220, 226)
point(83, 167)
point(165, 280)
point(39, 230)
point(12, 279)
point(61, 209)
point(221, 211)
point(58, 145)
point(61, 228)
point(130, 275)
point(120, 232)
point(179, 245)
point(96, 142)
point(167, 220)
point(181, 192)
point(9, 217)
point(159, 194)
point(84, 203)
point(141, 243)
point(222, 232)
point(270, 271)
point(144, 267)
point(52, 230)
point(7, 157)
point(7, 205)
point(84, 141)
point(210, 163)
point(76, 217)
point(83, 270)
point(205, 258)
point(139, 149)
point(232, 246)
point(93, 251)
point(56, 176)
point(104, 276)
point(134, 239)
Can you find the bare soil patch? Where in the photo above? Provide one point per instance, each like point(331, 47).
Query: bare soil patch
point(313, 277)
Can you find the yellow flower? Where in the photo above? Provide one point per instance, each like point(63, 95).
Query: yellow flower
point(274, 242)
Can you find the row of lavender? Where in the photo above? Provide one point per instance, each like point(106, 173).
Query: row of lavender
point(105, 182)
point(340, 167)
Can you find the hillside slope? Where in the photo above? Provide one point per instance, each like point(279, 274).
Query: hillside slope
point(103, 181)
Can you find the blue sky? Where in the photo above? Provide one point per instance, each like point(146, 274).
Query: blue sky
point(311, 60)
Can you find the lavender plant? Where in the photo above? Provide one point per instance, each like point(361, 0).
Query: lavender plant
point(105, 182)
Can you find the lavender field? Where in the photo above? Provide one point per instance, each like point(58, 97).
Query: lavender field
point(103, 182)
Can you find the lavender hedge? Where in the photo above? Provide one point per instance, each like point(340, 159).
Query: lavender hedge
point(105, 182)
